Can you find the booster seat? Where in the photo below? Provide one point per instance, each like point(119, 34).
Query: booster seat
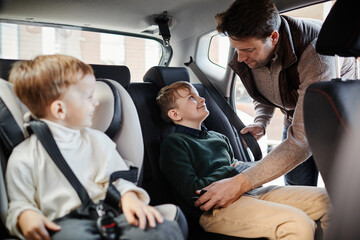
point(116, 116)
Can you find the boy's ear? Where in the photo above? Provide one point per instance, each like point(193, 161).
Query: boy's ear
point(58, 110)
point(174, 115)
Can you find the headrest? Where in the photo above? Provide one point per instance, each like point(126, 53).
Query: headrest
point(5, 67)
point(107, 116)
point(163, 76)
point(11, 118)
point(340, 33)
point(120, 74)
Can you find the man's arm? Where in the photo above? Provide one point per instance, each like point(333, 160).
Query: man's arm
point(263, 115)
point(177, 166)
point(223, 192)
point(288, 154)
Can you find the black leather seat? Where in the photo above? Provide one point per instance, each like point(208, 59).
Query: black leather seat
point(155, 130)
point(331, 116)
point(328, 106)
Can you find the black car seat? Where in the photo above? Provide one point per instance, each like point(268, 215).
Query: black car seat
point(155, 130)
point(334, 130)
point(116, 115)
point(328, 106)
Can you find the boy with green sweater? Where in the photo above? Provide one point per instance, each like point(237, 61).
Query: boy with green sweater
point(192, 158)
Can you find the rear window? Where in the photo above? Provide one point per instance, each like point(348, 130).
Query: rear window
point(19, 41)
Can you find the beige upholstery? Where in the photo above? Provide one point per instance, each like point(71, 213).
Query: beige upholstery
point(17, 109)
point(129, 138)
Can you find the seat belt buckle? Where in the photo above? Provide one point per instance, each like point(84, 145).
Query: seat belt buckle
point(108, 227)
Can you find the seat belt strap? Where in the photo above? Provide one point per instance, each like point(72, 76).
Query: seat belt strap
point(113, 196)
point(227, 109)
point(43, 133)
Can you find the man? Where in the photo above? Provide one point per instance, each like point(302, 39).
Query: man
point(276, 60)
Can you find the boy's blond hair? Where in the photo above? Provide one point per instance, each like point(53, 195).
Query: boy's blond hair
point(41, 81)
point(167, 96)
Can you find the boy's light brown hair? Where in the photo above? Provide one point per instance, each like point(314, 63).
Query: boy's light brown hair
point(167, 96)
point(44, 79)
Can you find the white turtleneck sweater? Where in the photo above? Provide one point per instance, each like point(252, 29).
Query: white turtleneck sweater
point(35, 182)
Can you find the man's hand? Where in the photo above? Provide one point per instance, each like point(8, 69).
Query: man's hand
point(34, 225)
point(224, 192)
point(138, 213)
point(255, 129)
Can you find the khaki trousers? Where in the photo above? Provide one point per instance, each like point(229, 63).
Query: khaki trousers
point(282, 212)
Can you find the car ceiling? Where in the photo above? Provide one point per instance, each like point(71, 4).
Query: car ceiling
point(188, 17)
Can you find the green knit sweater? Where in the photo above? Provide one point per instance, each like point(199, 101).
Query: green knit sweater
point(192, 162)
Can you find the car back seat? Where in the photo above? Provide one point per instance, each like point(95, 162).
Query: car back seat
point(331, 117)
point(329, 106)
point(115, 105)
point(155, 130)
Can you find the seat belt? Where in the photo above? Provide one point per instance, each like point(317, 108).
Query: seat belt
point(105, 222)
point(43, 133)
point(227, 110)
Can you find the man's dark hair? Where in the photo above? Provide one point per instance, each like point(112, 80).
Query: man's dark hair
point(249, 18)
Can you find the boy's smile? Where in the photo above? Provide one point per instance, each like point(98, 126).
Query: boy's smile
point(190, 108)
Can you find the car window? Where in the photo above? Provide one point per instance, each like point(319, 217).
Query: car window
point(20, 41)
point(219, 50)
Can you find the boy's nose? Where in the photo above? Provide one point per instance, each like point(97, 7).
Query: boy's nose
point(201, 99)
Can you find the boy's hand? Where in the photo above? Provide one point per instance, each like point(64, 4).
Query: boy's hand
point(138, 213)
point(34, 225)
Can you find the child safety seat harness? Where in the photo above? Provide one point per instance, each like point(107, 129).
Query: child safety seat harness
point(106, 210)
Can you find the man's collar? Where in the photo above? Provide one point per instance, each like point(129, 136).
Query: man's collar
point(287, 45)
point(190, 131)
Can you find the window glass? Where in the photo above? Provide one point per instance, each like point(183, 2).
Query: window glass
point(219, 50)
point(25, 42)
